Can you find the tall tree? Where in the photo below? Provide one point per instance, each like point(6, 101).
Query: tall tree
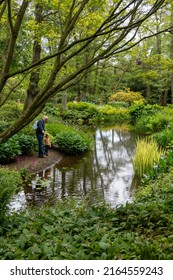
point(68, 28)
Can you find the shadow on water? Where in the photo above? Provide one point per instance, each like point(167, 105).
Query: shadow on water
point(105, 174)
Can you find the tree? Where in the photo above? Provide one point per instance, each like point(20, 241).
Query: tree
point(60, 32)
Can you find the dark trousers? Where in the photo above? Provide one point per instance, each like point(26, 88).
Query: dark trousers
point(40, 144)
point(46, 149)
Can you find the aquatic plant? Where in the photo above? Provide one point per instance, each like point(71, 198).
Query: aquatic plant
point(147, 154)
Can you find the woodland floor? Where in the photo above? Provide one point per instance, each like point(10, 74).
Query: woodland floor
point(34, 164)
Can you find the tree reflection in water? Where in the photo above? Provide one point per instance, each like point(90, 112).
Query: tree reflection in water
point(106, 173)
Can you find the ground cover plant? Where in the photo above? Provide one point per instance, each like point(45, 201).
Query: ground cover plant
point(9, 150)
point(19, 144)
point(10, 182)
point(149, 119)
point(71, 230)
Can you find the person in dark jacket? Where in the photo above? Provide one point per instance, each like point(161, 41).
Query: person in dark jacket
point(40, 135)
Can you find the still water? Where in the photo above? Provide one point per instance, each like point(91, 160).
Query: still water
point(105, 174)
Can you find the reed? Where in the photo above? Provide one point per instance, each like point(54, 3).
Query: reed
point(147, 154)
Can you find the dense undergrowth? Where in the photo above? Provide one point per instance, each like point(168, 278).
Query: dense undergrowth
point(141, 230)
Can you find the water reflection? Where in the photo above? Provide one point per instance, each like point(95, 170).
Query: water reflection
point(106, 173)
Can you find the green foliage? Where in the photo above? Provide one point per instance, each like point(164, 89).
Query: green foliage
point(10, 182)
point(127, 96)
point(147, 154)
point(81, 106)
point(111, 114)
point(152, 119)
point(17, 145)
point(52, 109)
point(140, 110)
point(164, 138)
point(136, 110)
point(73, 116)
point(119, 104)
point(10, 111)
point(55, 128)
point(162, 167)
point(159, 122)
point(143, 125)
point(27, 143)
point(9, 150)
point(4, 125)
point(72, 142)
point(80, 112)
point(86, 113)
point(8, 114)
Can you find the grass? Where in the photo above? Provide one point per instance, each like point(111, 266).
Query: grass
point(147, 154)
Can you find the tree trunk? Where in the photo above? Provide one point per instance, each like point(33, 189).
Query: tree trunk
point(171, 54)
point(148, 96)
point(165, 97)
point(96, 79)
point(33, 88)
point(11, 44)
point(64, 101)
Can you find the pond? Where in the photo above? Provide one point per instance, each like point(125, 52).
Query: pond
point(105, 174)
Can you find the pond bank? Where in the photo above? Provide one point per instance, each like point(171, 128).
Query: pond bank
point(33, 164)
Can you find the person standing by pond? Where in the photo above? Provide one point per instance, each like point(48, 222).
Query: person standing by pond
point(47, 144)
point(40, 135)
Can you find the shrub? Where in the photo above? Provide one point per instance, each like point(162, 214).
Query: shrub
point(127, 96)
point(164, 138)
point(81, 106)
point(55, 128)
point(9, 150)
point(143, 125)
point(15, 146)
point(109, 113)
point(147, 154)
point(52, 109)
point(118, 104)
point(152, 121)
point(4, 125)
point(27, 143)
point(159, 122)
point(10, 111)
point(162, 167)
point(80, 112)
point(10, 182)
point(136, 110)
point(72, 142)
point(73, 116)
